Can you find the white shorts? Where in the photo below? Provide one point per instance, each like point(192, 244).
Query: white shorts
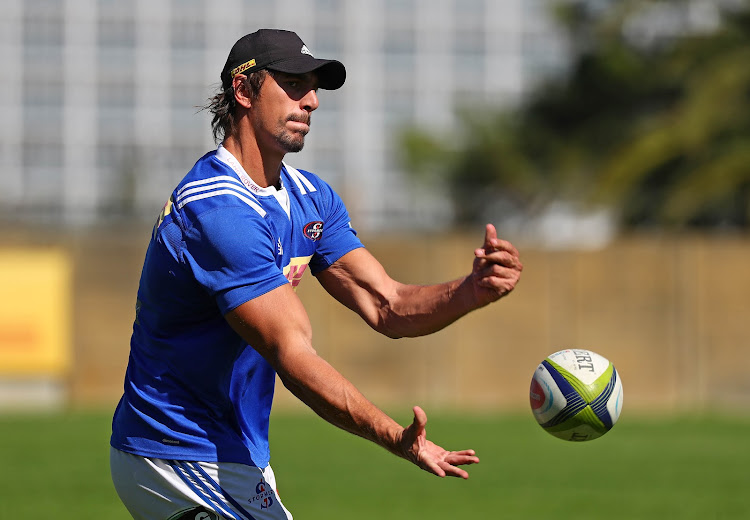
point(156, 489)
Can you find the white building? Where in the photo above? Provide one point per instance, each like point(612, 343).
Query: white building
point(98, 98)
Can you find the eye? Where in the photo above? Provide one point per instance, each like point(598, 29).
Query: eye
point(292, 81)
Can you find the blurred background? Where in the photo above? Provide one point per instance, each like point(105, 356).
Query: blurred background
point(610, 141)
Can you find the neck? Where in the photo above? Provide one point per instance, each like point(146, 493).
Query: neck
point(263, 168)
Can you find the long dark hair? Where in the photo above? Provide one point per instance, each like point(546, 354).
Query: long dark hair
point(223, 106)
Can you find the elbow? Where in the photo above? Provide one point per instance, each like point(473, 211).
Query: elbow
point(383, 317)
point(386, 323)
point(392, 334)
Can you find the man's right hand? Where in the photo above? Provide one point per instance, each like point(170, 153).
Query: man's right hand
point(429, 456)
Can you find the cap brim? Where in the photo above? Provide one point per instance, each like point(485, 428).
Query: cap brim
point(331, 73)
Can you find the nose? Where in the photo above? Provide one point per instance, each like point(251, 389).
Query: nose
point(309, 101)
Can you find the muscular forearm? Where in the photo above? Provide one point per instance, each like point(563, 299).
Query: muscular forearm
point(278, 328)
point(276, 325)
point(418, 310)
point(397, 310)
point(334, 398)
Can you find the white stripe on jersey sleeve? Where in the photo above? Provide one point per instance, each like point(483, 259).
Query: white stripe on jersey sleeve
point(220, 178)
point(212, 187)
point(183, 193)
point(214, 193)
point(299, 179)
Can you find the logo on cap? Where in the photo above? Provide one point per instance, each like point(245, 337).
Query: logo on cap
point(242, 68)
point(305, 50)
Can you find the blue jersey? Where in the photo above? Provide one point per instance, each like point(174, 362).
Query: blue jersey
point(194, 390)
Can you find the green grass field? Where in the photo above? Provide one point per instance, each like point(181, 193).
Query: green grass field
point(688, 467)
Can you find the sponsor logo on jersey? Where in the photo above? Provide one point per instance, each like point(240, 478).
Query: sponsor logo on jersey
point(313, 230)
point(250, 185)
point(263, 495)
point(166, 210)
point(296, 269)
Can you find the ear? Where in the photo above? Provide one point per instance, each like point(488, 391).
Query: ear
point(241, 92)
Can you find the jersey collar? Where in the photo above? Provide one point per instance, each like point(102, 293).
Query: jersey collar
point(230, 160)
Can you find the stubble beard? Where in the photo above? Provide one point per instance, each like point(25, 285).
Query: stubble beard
point(292, 141)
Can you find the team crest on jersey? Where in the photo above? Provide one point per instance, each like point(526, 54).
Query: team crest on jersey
point(263, 495)
point(313, 230)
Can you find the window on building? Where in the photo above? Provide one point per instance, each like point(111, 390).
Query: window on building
point(43, 23)
point(116, 23)
point(188, 26)
point(43, 173)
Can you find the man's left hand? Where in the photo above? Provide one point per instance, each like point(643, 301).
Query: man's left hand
point(497, 268)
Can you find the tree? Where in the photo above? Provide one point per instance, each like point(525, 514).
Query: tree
point(652, 120)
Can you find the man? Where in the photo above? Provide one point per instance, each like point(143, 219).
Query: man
point(217, 317)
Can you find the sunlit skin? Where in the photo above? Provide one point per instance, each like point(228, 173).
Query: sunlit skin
point(272, 125)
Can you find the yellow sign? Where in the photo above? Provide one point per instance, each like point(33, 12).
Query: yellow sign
point(35, 313)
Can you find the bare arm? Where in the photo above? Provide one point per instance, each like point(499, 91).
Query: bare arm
point(395, 309)
point(277, 326)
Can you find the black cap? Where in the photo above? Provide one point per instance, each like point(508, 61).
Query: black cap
point(280, 50)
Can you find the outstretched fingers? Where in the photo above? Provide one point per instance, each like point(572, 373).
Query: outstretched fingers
point(461, 458)
point(458, 458)
point(450, 470)
point(431, 457)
